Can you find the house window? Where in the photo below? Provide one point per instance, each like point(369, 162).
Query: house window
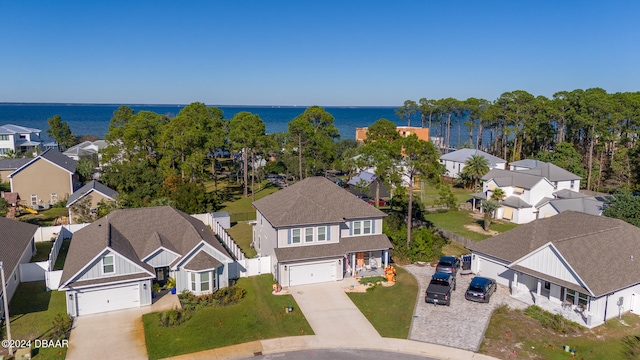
point(573, 182)
point(4, 137)
point(295, 236)
point(357, 227)
point(54, 198)
point(583, 299)
point(322, 233)
point(571, 296)
point(108, 267)
point(34, 200)
point(308, 235)
point(367, 227)
point(193, 282)
point(362, 227)
point(204, 281)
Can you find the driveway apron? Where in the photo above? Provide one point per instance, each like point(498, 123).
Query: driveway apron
point(332, 315)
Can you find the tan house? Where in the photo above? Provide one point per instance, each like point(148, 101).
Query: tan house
point(45, 180)
point(96, 192)
point(7, 166)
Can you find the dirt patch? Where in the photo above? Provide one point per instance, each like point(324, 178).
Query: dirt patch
point(479, 229)
point(363, 288)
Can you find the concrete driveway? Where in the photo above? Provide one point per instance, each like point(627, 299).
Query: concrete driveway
point(332, 315)
point(460, 325)
point(114, 335)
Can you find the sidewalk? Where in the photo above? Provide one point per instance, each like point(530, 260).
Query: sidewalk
point(324, 306)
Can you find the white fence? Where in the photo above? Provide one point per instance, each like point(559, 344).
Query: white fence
point(227, 241)
point(52, 279)
point(33, 271)
point(251, 267)
point(47, 233)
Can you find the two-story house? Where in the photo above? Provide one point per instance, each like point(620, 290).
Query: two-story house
point(559, 177)
point(19, 139)
point(454, 161)
point(112, 263)
point(46, 179)
point(318, 232)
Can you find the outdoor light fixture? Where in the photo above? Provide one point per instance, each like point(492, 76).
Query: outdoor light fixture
point(70, 296)
point(285, 268)
point(144, 286)
point(339, 261)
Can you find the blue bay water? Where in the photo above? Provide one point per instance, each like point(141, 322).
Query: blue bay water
point(91, 119)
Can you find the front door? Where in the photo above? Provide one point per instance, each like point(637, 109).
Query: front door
point(161, 275)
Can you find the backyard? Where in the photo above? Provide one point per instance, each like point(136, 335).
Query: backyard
point(513, 334)
point(381, 305)
point(467, 224)
point(259, 315)
point(45, 217)
point(32, 312)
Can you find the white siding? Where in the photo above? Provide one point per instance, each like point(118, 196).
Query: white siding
point(546, 210)
point(524, 215)
point(492, 268)
point(122, 267)
point(547, 261)
point(268, 236)
point(283, 236)
point(527, 283)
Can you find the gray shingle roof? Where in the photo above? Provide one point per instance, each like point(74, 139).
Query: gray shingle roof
point(15, 236)
point(463, 155)
point(515, 202)
point(568, 194)
point(10, 129)
point(551, 172)
point(59, 159)
point(604, 252)
point(90, 187)
point(129, 231)
point(314, 200)
point(13, 164)
point(527, 163)
point(589, 205)
point(202, 261)
point(512, 178)
point(346, 245)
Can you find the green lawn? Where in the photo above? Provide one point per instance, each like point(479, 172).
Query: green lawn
point(242, 234)
point(46, 217)
point(242, 205)
point(455, 221)
point(43, 248)
point(390, 309)
point(429, 194)
point(32, 312)
point(62, 255)
point(260, 315)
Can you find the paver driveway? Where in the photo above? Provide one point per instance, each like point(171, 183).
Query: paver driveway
point(460, 325)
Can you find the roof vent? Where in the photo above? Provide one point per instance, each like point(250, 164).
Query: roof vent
point(631, 257)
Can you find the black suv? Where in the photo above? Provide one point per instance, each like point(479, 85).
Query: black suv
point(449, 265)
point(480, 289)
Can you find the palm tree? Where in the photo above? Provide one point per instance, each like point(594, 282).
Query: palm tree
point(489, 206)
point(475, 167)
point(498, 195)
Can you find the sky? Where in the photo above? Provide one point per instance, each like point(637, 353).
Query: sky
point(327, 53)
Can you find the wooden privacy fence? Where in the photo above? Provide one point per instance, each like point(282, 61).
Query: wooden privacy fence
point(455, 237)
point(227, 241)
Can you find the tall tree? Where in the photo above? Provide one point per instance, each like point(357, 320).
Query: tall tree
point(420, 158)
point(475, 167)
point(60, 132)
point(313, 134)
point(407, 110)
point(246, 132)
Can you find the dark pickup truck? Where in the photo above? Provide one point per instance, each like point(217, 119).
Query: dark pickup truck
point(440, 287)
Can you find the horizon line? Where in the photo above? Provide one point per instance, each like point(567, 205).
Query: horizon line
point(183, 105)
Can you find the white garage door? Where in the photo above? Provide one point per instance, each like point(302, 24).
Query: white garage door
point(109, 299)
point(312, 273)
point(487, 268)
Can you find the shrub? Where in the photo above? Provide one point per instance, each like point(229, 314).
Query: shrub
point(631, 346)
point(173, 317)
point(555, 322)
point(61, 327)
point(229, 296)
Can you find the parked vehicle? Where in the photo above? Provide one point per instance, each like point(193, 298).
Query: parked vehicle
point(480, 289)
point(439, 289)
point(381, 202)
point(448, 264)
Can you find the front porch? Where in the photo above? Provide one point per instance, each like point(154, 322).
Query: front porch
point(366, 263)
point(571, 312)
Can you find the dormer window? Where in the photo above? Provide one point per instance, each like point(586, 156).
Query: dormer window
point(108, 266)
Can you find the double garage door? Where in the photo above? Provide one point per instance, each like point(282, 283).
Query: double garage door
point(108, 299)
point(312, 273)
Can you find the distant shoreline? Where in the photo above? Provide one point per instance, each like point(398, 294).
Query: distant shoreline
point(183, 105)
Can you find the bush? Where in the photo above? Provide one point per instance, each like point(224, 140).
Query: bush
point(61, 327)
point(551, 321)
point(229, 296)
point(631, 346)
point(173, 317)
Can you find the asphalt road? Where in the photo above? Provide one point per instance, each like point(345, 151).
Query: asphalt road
point(339, 354)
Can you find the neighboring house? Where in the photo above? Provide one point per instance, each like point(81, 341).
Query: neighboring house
point(454, 161)
point(536, 192)
point(567, 200)
point(318, 232)
point(46, 179)
point(582, 266)
point(112, 263)
point(559, 177)
point(96, 191)
point(17, 246)
point(19, 139)
point(404, 131)
point(369, 181)
point(7, 166)
point(87, 149)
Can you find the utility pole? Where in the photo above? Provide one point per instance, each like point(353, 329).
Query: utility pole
point(6, 309)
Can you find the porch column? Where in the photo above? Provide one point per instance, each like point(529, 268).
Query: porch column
point(514, 285)
point(385, 258)
point(353, 264)
point(539, 287)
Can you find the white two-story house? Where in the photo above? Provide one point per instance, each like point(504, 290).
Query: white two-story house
point(19, 139)
point(454, 162)
point(318, 232)
point(559, 177)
